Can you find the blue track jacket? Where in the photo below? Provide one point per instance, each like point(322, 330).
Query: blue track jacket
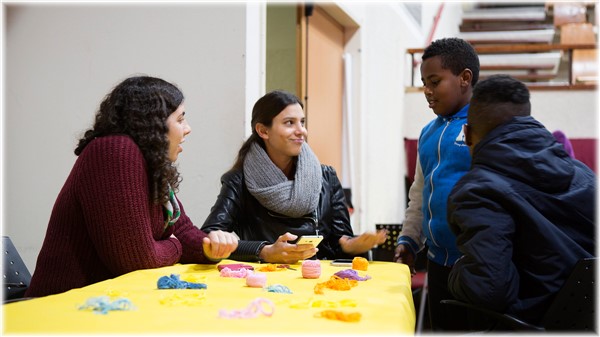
point(444, 158)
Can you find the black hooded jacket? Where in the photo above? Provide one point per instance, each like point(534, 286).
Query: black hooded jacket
point(236, 210)
point(523, 216)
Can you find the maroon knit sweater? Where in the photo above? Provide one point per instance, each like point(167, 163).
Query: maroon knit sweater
point(104, 224)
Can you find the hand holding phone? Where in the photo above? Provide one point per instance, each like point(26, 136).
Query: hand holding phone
point(285, 250)
point(309, 240)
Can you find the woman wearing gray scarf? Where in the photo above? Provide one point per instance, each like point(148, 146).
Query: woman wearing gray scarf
point(277, 191)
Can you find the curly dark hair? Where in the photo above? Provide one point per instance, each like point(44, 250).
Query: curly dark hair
point(139, 107)
point(456, 55)
point(264, 110)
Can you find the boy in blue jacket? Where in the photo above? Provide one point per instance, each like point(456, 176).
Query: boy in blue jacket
point(449, 71)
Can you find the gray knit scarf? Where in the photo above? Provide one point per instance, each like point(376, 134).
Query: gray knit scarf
point(267, 183)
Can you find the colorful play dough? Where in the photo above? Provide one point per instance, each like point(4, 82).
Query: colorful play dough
point(311, 268)
point(256, 280)
point(360, 263)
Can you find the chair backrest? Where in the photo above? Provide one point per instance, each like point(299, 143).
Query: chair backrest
point(16, 275)
point(574, 306)
point(386, 250)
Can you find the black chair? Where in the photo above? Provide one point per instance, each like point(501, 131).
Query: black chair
point(573, 308)
point(386, 250)
point(16, 275)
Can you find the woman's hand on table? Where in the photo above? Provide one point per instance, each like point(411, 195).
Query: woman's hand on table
point(362, 243)
point(219, 244)
point(289, 253)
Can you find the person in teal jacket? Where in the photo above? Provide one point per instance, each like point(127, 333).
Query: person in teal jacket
point(449, 71)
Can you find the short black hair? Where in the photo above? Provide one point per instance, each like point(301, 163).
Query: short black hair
point(496, 100)
point(456, 55)
point(501, 89)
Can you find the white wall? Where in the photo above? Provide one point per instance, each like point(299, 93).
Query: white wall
point(378, 48)
point(60, 60)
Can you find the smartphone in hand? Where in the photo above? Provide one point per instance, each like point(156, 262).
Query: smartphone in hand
point(309, 240)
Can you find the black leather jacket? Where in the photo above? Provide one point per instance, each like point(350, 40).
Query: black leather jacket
point(236, 210)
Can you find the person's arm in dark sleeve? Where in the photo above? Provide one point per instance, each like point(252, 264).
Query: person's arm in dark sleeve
point(340, 223)
point(226, 214)
point(342, 237)
point(485, 275)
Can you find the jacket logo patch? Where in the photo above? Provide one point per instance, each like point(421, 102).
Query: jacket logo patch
point(460, 139)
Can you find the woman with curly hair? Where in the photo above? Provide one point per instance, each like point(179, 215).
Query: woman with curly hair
point(117, 211)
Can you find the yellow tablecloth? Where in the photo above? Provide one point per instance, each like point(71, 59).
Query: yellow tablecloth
point(385, 303)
